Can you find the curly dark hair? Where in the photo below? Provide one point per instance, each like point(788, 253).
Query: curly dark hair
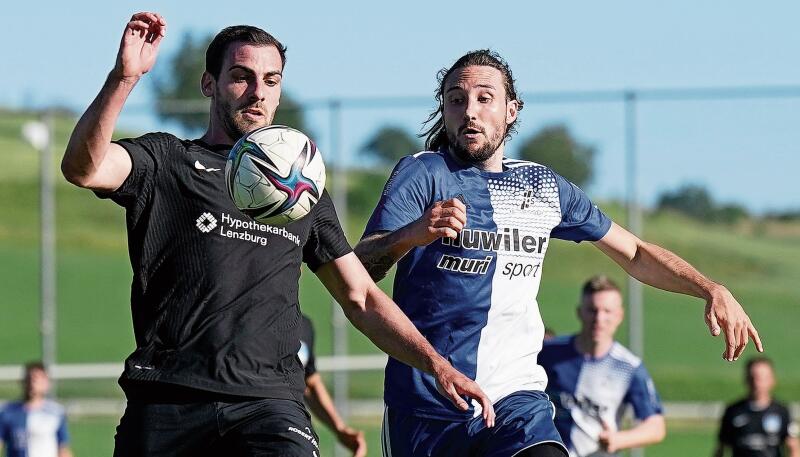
point(436, 136)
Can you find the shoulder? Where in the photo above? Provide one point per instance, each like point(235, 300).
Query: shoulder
point(522, 164)
point(623, 355)
point(736, 406)
point(556, 348)
point(53, 408)
point(558, 342)
point(154, 142)
point(425, 161)
point(780, 407)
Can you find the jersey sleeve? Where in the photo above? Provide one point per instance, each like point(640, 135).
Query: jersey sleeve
point(326, 240)
point(62, 435)
point(145, 153)
point(642, 395)
point(405, 197)
point(726, 433)
point(4, 429)
point(790, 428)
point(581, 220)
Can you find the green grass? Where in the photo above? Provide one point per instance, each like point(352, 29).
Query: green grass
point(758, 262)
point(94, 436)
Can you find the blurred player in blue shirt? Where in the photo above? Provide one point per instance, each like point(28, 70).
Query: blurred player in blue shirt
point(592, 378)
point(35, 426)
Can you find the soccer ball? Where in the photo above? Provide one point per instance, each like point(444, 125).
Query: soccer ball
point(275, 174)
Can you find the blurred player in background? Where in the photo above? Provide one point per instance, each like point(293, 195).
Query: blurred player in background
point(591, 379)
point(758, 426)
point(470, 229)
point(216, 319)
point(34, 426)
point(319, 400)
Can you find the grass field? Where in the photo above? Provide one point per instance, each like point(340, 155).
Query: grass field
point(757, 260)
point(93, 436)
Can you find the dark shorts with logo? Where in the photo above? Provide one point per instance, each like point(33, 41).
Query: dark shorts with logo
point(178, 421)
point(523, 427)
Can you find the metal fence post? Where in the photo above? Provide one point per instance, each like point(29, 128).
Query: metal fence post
point(341, 378)
point(634, 216)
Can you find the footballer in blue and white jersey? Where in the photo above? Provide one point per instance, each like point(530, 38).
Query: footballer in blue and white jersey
point(469, 230)
point(33, 432)
point(592, 391)
point(474, 297)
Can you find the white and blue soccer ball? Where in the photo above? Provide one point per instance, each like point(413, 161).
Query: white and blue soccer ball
point(275, 174)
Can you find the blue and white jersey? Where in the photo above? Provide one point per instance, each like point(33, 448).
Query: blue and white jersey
point(35, 432)
point(474, 297)
point(588, 391)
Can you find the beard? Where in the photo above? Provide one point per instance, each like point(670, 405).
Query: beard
point(480, 155)
point(234, 124)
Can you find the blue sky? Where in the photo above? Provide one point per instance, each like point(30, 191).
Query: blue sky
point(745, 151)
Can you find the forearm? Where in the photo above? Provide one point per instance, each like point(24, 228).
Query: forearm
point(91, 137)
point(654, 265)
point(650, 431)
point(793, 446)
point(321, 404)
point(379, 251)
point(390, 329)
point(64, 451)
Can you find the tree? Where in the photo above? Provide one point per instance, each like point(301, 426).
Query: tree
point(555, 147)
point(177, 89)
point(390, 144)
point(696, 202)
point(692, 200)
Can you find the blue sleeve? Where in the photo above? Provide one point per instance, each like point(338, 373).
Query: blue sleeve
point(406, 196)
point(62, 435)
point(581, 220)
point(3, 427)
point(642, 395)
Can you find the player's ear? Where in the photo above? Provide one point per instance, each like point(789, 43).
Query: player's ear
point(207, 84)
point(512, 109)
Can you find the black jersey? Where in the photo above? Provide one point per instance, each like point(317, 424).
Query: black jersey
point(215, 295)
point(753, 432)
point(306, 352)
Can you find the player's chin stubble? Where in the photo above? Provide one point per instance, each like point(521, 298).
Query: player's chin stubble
point(480, 155)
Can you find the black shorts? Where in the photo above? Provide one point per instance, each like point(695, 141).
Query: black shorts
point(185, 422)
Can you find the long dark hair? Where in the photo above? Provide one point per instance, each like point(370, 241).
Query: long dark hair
point(436, 136)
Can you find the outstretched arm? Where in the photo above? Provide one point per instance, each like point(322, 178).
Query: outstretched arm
point(792, 446)
point(379, 318)
point(379, 251)
point(321, 404)
point(91, 160)
point(661, 268)
point(649, 431)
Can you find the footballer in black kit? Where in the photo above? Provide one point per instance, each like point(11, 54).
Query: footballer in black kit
point(754, 432)
point(230, 327)
point(758, 425)
point(214, 297)
point(237, 277)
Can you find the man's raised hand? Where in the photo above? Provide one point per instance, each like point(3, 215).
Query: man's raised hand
point(139, 45)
